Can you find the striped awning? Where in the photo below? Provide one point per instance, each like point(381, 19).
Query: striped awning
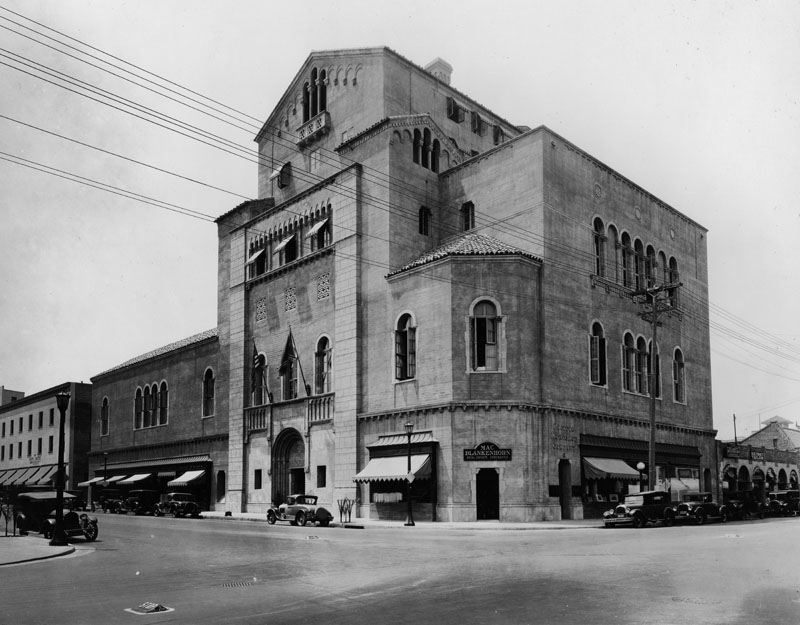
point(184, 480)
point(94, 480)
point(47, 475)
point(135, 478)
point(601, 468)
point(395, 468)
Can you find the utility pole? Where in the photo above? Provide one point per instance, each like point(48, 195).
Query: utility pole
point(656, 307)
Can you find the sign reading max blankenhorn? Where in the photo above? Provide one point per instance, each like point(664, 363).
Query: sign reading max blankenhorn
point(487, 451)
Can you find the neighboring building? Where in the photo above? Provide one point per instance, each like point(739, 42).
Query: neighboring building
point(415, 258)
point(29, 431)
point(162, 422)
point(763, 462)
point(7, 395)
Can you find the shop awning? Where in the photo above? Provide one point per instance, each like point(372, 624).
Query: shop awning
point(22, 477)
point(183, 480)
point(3, 475)
point(38, 474)
point(135, 478)
point(94, 480)
point(113, 479)
point(601, 468)
point(395, 468)
point(47, 475)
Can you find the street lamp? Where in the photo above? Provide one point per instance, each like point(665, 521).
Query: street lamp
point(59, 537)
point(640, 468)
point(410, 515)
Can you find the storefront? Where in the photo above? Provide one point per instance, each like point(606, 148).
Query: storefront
point(757, 470)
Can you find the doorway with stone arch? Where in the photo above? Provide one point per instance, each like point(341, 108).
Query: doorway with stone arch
point(288, 465)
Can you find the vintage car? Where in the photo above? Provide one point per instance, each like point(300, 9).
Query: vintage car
point(299, 510)
point(35, 511)
point(699, 508)
point(783, 503)
point(178, 504)
point(639, 509)
point(742, 505)
point(111, 499)
point(141, 502)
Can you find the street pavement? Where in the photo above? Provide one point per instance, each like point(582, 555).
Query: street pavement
point(31, 548)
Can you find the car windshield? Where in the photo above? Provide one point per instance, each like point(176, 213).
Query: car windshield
point(635, 500)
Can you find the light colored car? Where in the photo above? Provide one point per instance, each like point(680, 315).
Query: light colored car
point(299, 510)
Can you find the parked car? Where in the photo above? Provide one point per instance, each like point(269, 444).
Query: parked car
point(743, 505)
point(783, 503)
point(639, 509)
point(35, 511)
point(142, 502)
point(700, 507)
point(111, 499)
point(299, 510)
point(179, 504)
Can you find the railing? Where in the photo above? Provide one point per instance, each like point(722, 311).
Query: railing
point(320, 408)
point(256, 418)
point(314, 127)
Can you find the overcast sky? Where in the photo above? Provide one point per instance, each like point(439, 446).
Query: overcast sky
point(697, 102)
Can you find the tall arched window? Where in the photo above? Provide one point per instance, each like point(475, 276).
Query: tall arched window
point(258, 382)
point(426, 148)
point(149, 406)
point(638, 263)
point(674, 278)
point(163, 404)
point(627, 260)
point(615, 247)
point(138, 410)
point(484, 330)
point(435, 152)
point(424, 220)
point(597, 355)
point(641, 366)
point(104, 417)
point(417, 147)
point(313, 94)
point(467, 216)
point(678, 377)
point(628, 362)
point(405, 349)
point(654, 370)
point(322, 89)
point(208, 393)
point(323, 366)
point(599, 238)
point(650, 267)
point(306, 102)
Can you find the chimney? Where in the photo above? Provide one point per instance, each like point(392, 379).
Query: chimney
point(441, 69)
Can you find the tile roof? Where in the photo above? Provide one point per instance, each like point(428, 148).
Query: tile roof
point(160, 351)
point(469, 244)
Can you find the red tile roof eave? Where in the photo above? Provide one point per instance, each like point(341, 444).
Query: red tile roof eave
point(447, 257)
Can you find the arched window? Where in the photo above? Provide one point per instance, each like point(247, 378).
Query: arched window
point(678, 377)
point(654, 370)
point(104, 417)
point(424, 220)
point(405, 349)
point(638, 263)
point(674, 279)
point(149, 405)
point(641, 366)
point(163, 405)
point(628, 362)
point(597, 355)
point(208, 393)
point(306, 108)
point(322, 89)
point(627, 260)
point(289, 370)
point(467, 216)
point(258, 381)
point(484, 331)
point(435, 152)
point(138, 410)
point(426, 148)
point(599, 238)
point(417, 155)
point(323, 366)
point(313, 94)
point(650, 267)
point(615, 247)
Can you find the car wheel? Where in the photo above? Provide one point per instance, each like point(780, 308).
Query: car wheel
point(300, 519)
point(700, 517)
point(90, 532)
point(638, 521)
point(271, 517)
point(669, 518)
point(723, 516)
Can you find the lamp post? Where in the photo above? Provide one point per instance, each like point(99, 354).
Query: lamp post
point(640, 468)
point(410, 515)
point(105, 466)
point(59, 537)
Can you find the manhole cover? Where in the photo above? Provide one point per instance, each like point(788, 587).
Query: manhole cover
point(149, 607)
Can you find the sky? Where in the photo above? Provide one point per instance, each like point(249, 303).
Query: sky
point(697, 102)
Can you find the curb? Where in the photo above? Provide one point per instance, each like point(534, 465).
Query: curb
point(49, 556)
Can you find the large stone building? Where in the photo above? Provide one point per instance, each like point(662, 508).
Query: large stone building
point(414, 258)
point(161, 421)
point(29, 433)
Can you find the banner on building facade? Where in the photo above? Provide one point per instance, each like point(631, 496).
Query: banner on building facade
point(487, 451)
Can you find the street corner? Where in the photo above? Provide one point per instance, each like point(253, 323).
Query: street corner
point(23, 549)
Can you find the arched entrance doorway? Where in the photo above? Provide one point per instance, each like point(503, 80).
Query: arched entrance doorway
point(565, 488)
point(487, 494)
point(743, 481)
point(288, 465)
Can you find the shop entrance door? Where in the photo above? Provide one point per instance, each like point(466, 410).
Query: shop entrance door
point(487, 490)
point(565, 488)
point(298, 479)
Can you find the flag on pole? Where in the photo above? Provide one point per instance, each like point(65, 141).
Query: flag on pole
point(254, 376)
point(289, 355)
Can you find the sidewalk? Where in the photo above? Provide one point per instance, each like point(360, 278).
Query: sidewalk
point(18, 549)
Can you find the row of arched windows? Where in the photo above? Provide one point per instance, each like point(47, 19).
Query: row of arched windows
point(639, 370)
point(266, 255)
point(291, 374)
point(631, 264)
point(426, 150)
point(315, 95)
point(151, 404)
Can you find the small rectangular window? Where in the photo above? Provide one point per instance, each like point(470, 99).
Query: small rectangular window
point(39, 446)
point(455, 111)
point(52, 416)
point(322, 476)
point(478, 125)
point(30, 422)
point(41, 419)
point(257, 479)
point(30, 448)
point(49, 444)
